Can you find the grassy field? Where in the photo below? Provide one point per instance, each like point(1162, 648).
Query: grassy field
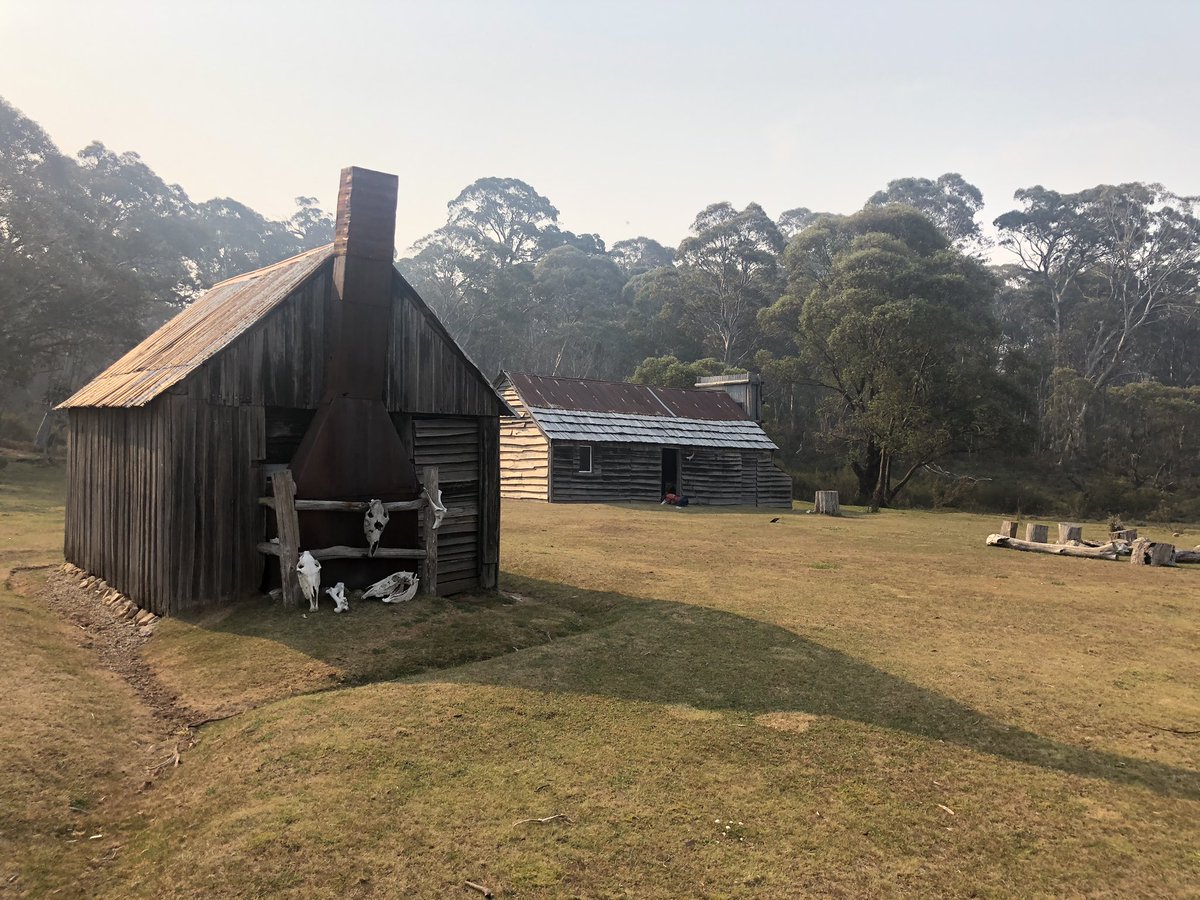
point(716, 706)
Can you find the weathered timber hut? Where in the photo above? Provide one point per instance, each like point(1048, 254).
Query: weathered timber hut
point(574, 439)
point(327, 365)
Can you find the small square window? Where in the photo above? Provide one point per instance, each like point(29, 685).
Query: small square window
point(585, 459)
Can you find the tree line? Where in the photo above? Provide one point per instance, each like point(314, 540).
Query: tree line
point(907, 350)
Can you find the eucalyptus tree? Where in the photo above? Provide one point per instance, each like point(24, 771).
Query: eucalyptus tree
point(897, 331)
point(729, 270)
point(950, 201)
point(1109, 269)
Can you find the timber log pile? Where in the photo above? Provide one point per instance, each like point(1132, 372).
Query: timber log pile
point(1121, 545)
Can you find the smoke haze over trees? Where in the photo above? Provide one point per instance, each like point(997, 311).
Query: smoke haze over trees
point(902, 340)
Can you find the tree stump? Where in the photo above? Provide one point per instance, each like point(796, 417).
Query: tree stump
point(1128, 535)
point(1150, 553)
point(1068, 533)
point(1037, 534)
point(1009, 528)
point(826, 503)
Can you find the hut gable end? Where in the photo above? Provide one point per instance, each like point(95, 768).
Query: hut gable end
point(428, 372)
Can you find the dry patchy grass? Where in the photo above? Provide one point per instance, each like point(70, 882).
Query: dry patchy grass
point(872, 705)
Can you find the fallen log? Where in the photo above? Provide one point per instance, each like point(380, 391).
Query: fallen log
point(1111, 551)
point(1187, 556)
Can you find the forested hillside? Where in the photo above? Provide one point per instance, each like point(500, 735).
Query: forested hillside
point(913, 352)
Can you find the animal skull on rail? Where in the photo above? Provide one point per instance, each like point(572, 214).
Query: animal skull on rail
point(374, 522)
point(439, 509)
point(309, 571)
point(396, 588)
point(338, 593)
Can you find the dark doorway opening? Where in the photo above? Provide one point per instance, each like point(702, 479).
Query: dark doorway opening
point(670, 472)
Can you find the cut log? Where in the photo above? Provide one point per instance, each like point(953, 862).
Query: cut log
point(1128, 535)
point(1068, 533)
point(1187, 556)
point(826, 503)
point(1104, 551)
point(1009, 528)
point(1152, 553)
point(1037, 534)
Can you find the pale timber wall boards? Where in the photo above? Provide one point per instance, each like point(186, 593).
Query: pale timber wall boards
point(524, 453)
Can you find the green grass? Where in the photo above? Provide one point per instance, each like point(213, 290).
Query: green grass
point(876, 705)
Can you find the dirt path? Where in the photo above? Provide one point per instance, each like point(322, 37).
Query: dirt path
point(117, 644)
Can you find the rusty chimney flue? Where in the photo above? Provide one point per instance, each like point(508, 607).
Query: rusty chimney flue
point(363, 245)
point(352, 450)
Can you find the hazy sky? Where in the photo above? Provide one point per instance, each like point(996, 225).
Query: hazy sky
point(630, 117)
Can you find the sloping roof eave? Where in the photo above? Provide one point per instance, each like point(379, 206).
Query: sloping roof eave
point(196, 334)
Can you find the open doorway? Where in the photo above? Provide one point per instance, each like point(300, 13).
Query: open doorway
point(670, 471)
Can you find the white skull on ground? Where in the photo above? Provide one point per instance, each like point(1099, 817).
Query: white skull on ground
point(309, 571)
point(338, 594)
point(396, 588)
point(374, 522)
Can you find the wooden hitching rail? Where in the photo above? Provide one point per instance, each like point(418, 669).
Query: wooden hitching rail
point(284, 504)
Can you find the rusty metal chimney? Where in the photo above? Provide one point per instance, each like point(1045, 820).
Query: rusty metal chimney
point(352, 450)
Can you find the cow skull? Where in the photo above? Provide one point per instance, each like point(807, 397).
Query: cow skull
point(396, 588)
point(439, 508)
point(309, 572)
point(338, 593)
point(374, 522)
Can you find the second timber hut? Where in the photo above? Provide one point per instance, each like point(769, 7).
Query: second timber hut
point(574, 439)
point(327, 365)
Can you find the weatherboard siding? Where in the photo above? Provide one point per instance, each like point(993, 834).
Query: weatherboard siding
point(619, 472)
point(524, 453)
point(427, 372)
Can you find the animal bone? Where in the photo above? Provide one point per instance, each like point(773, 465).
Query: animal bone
point(309, 571)
point(439, 509)
point(374, 522)
point(396, 588)
point(338, 593)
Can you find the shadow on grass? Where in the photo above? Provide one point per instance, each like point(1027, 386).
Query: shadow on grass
point(586, 642)
point(675, 653)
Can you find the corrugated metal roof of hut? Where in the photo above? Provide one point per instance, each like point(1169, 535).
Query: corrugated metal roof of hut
point(208, 325)
point(589, 395)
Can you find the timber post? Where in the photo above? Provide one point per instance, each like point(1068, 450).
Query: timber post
point(429, 568)
point(1037, 534)
point(1068, 532)
point(1151, 553)
point(825, 503)
point(283, 486)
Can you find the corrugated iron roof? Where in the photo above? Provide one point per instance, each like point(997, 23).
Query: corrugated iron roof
point(587, 395)
point(625, 428)
point(208, 325)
